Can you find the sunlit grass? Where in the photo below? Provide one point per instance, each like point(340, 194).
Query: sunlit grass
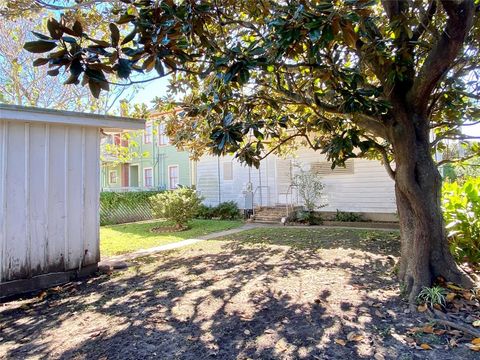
point(125, 238)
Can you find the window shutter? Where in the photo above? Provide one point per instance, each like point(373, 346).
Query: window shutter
point(324, 168)
point(228, 171)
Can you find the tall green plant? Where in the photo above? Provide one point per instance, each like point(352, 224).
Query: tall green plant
point(461, 209)
point(310, 189)
point(180, 205)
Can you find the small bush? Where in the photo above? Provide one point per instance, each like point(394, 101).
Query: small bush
point(461, 211)
point(347, 216)
point(205, 212)
point(180, 205)
point(122, 207)
point(224, 211)
point(305, 217)
point(227, 210)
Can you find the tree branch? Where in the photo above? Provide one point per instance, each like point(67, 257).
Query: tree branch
point(456, 160)
point(444, 52)
point(425, 20)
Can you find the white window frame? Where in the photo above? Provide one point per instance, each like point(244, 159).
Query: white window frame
point(145, 178)
point(110, 172)
point(169, 178)
point(148, 125)
point(163, 139)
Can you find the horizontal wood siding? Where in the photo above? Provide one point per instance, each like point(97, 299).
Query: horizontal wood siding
point(366, 187)
point(263, 181)
point(49, 190)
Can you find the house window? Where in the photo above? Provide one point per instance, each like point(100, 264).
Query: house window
point(162, 137)
point(148, 177)
point(147, 136)
point(120, 140)
point(112, 177)
point(228, 171)
point(173, 177)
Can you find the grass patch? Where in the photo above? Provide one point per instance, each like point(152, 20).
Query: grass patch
point(383, 242)
point(125, 238)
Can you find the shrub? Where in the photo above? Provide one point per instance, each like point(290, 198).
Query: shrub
point(117, 208)
point(205, 212)
point(305, 217)
point(310, 189)
point(227, 210)
point(461, 211)
point(347, 216)
point(180, 205)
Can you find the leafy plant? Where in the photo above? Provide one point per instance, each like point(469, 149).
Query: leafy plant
point(431, 296)
point(461, 211)
point(347, 216)
point(304, 217)
point(116, 208)
point(180, 205)
point(227, 210)
point(205, 212)
point(310, 189)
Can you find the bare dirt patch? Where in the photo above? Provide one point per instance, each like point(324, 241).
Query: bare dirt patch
point(233, 299)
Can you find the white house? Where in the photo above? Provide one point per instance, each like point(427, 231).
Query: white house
point(49, 194)
point(363, 186)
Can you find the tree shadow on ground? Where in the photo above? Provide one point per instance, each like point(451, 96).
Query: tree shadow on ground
point(218, 300)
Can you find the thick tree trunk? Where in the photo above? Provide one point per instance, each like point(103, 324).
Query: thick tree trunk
point(424, 251)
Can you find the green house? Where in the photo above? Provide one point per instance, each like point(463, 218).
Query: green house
point(144, 160)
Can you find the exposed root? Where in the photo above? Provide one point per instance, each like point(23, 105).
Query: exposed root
point(464, 328)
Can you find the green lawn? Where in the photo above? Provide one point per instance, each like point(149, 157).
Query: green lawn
point(125, 238)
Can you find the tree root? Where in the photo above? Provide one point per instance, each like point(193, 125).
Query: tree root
point(464, 328)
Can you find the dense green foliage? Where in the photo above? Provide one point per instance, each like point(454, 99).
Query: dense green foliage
point(122, 207)
point(110, 199)
point(461, 209)
point(224, 211)
point(180, 205)
point(347, 216)
point(328, 73)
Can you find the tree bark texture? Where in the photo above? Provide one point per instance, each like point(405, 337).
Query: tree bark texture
point(424, 250)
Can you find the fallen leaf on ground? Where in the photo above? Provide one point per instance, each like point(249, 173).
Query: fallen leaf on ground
point(474, 347)
point(425, 347)
point(352, 336)
point(450, 296)
point(378, 356)
point(476, 323)
point(422, 308)
point(476, 341)
point(340, 342)
point(427, 329)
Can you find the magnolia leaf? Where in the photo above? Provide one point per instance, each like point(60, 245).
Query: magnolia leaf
point(115, 34)
point(40, 46)
point(425, 346)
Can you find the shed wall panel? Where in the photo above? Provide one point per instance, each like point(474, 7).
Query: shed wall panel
point(49, 198)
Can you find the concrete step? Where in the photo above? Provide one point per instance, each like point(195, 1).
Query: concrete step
point(267, 221)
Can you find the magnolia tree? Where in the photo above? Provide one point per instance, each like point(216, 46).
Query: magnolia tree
point(356, 78)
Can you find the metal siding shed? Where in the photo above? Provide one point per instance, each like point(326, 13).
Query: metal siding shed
point(49, 194)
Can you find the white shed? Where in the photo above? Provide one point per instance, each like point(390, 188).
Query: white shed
point(49, 194)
